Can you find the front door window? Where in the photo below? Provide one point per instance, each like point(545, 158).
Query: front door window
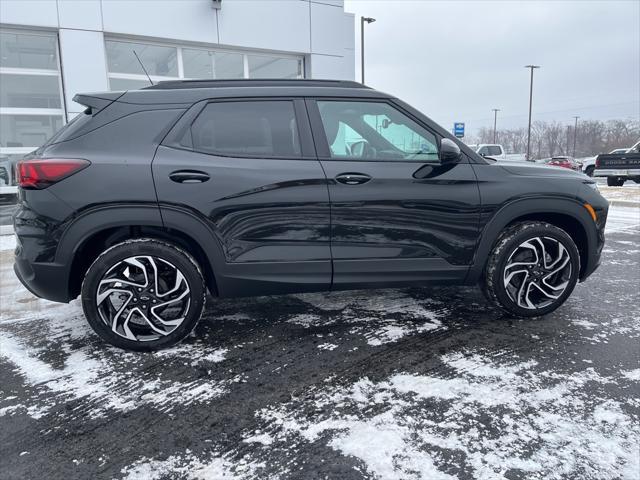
point(375, 131)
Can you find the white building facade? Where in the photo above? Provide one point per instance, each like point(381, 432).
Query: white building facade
point(52, 49)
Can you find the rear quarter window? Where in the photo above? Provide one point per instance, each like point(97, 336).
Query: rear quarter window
point(67, 131)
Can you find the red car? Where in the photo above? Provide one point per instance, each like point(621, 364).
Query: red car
point(565, 162)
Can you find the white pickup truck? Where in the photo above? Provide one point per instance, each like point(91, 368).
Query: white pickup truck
point(490, 150)
point(618, 168)
point(589, 163)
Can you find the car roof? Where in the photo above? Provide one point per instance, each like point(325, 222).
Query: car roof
point(190, 91)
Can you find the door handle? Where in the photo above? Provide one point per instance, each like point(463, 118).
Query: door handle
point(353, 178)
point(188, 176)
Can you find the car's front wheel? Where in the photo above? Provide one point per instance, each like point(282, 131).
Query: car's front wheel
point(143, 294)
point(532, 270)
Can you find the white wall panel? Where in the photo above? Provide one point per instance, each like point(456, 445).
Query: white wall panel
point(83, 64)
point(327, 29)
point(337, 3)
point(37, 13)
point(82, 14)
point(273, 25)
point(329, 67)
point(188, 20)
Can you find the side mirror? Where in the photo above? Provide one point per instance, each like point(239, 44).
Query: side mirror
point(449, 151)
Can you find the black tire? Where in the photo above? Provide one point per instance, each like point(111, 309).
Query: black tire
point(615, 181)
point(589, 170)
point(636, 179)
point(493, 280)
point(182, 275)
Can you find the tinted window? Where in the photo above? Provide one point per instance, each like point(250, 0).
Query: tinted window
point(258, 129)
point(375, 130)
point(484, 151)
point(495, 150)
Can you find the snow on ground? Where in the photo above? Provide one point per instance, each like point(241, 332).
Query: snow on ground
point(7, 242)
point(102, 383)
point(629, 193)
point(485, 417)
point(381, 319)
point(622, 218)
point(398, 384)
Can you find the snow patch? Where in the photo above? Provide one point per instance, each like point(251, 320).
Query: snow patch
point(101, 383)
point(496, 419)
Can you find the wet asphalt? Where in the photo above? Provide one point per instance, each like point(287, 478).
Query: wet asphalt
point(411, 383)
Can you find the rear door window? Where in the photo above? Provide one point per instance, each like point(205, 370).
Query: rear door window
point(262, 128)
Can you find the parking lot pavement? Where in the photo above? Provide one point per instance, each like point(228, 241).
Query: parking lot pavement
point(403, 384)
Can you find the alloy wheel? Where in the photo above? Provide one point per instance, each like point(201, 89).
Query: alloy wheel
point(143, 298)
point(537, 272)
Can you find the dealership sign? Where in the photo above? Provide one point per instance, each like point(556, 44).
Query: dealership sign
point(458, 129)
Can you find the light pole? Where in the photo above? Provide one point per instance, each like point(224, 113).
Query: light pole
point(575, 134)
point(495, 122)
point(362, 20)
point(532, 68)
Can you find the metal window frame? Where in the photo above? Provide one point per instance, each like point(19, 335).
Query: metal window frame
point(24, 111)
point(180, 58)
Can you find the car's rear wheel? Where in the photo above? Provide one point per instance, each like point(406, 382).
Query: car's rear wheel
point(532, 270)
point(143, 294)
point(615, 181)
point(589, 170)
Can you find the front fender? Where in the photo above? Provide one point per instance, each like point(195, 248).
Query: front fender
point(526, 207)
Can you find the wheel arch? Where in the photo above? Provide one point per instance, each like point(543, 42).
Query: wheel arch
point(93, 232)
point(568, 214)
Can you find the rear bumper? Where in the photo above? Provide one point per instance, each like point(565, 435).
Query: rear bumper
point(44, 280)
point(616, 172)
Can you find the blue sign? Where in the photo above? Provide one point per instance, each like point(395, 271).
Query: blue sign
point(458, 129)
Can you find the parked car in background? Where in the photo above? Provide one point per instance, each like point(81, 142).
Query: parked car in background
point(492, 150)
point(619, 167)
point(6, 171)
point(261, 187)
point(589, 163)
point(562, 161)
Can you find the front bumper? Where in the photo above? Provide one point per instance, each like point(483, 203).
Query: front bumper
point(594, 255)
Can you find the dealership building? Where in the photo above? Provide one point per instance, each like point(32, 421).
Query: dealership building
point(53, 49)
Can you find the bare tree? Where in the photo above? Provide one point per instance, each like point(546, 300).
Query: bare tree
point(554, 138)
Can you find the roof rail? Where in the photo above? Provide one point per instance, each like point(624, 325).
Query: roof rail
point(246, 82)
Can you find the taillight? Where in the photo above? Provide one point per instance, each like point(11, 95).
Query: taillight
point(597, 162)
point(41, 173)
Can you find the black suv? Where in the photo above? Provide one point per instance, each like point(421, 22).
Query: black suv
point(152, 197)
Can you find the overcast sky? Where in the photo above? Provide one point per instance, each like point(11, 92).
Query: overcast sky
point(456, 60)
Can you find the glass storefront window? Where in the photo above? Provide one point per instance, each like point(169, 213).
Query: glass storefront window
point(197, 63)
point(261, 66)
point(158, 60)
point(208, 64)
point(31, 104)
point(24, 50)
point(29, 91)
point(166, 62)
point(229, 65)
point(116, 84)
point(19, 131)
